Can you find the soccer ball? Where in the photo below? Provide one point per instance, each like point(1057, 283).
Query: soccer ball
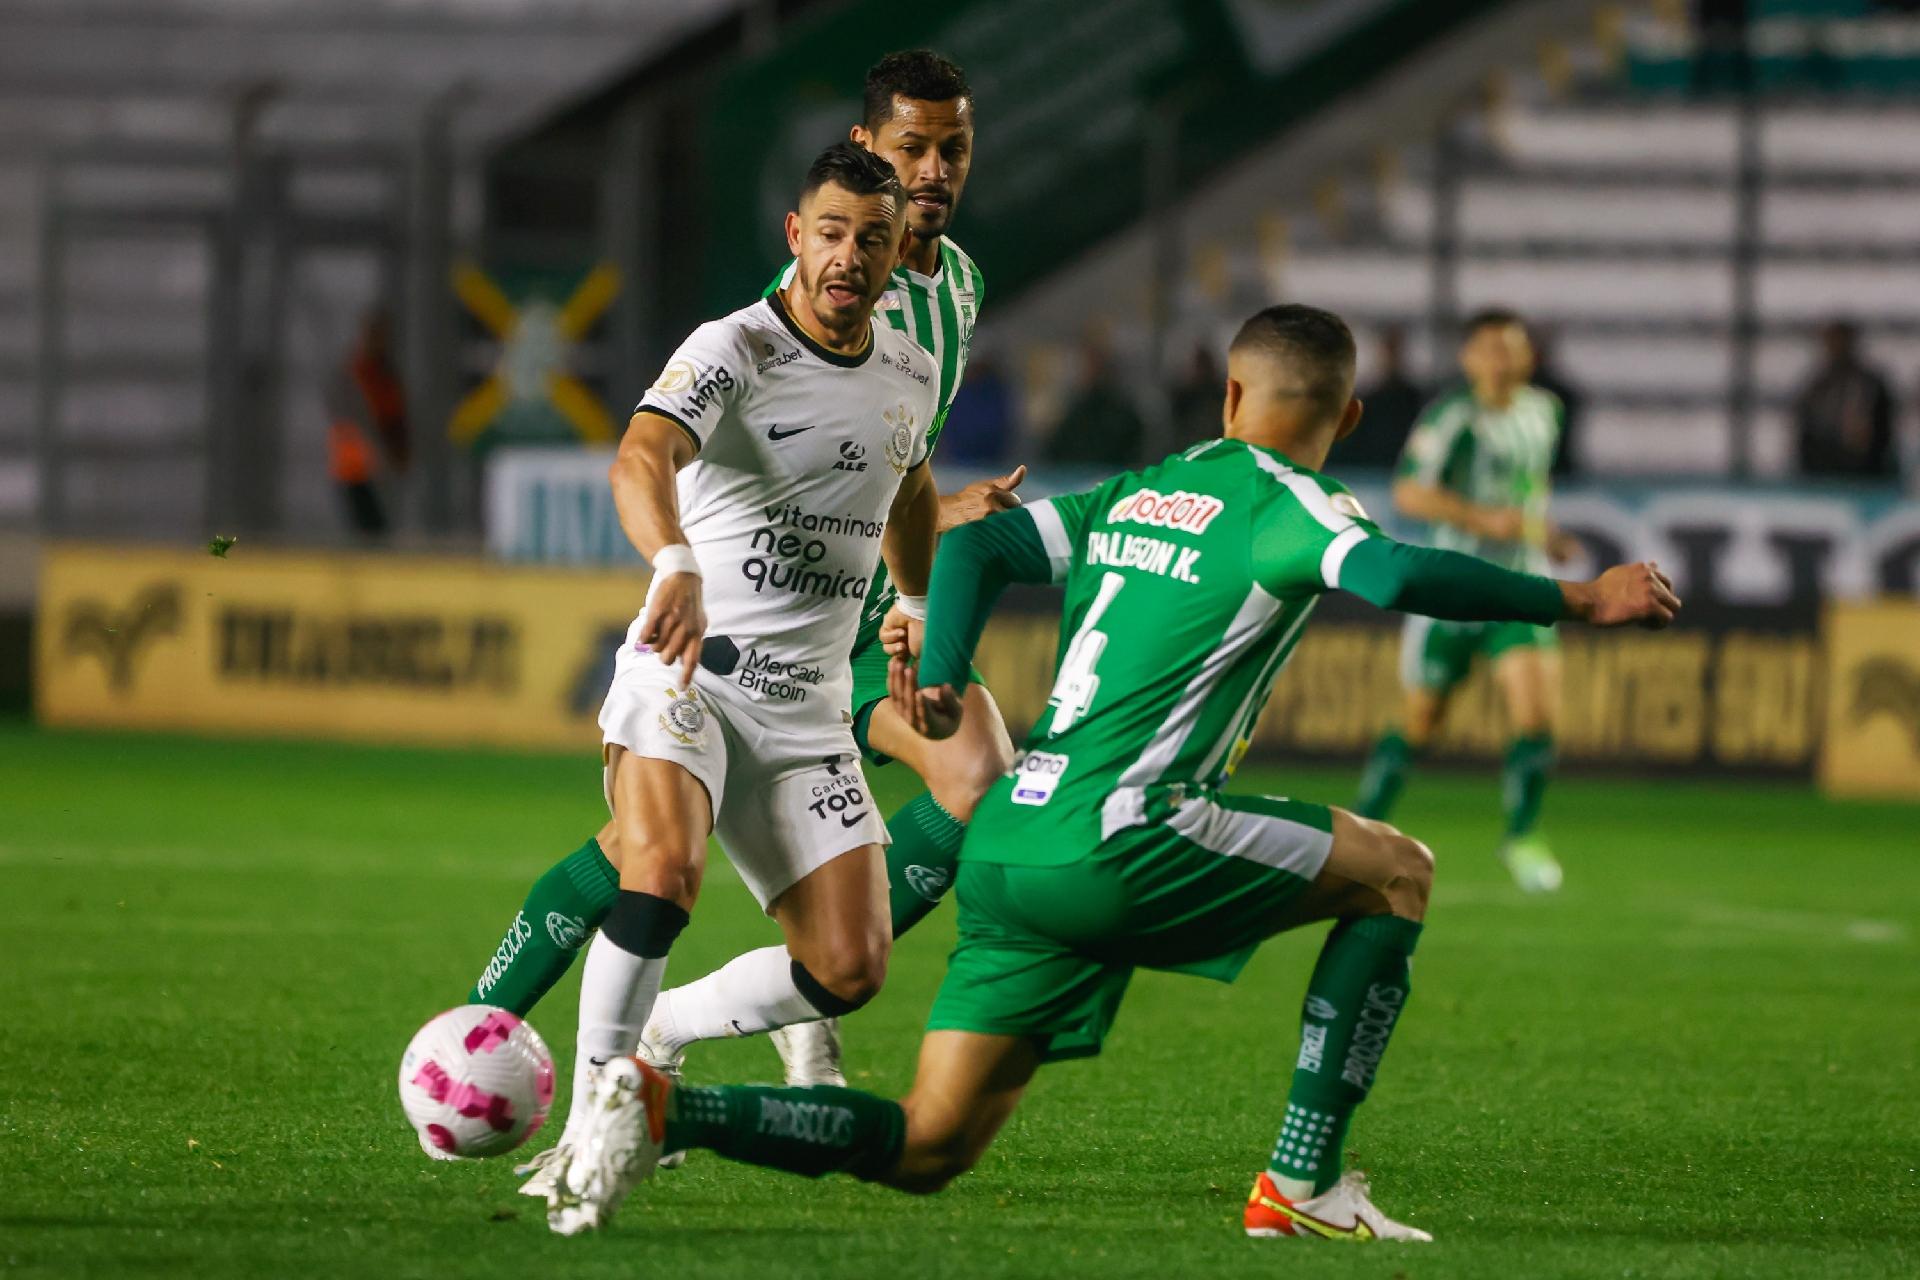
point(476, 1081)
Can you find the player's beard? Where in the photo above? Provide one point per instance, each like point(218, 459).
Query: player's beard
point(930, 224)
point(840, 323)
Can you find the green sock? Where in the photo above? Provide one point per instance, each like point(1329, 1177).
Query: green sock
point(810, 1132)
point(1523, 783)
point(1355, 996)
point(1386, 773)
point(562, 910)
point(922, 858)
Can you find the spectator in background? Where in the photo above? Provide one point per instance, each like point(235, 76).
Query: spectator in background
point(980, 421)
point(1393, 403)
point(1198, 398)
point(1548, 377)
point(1100, 425)
point(368, 407)
point(1843, 417)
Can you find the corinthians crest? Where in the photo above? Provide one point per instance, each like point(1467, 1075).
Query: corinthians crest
point(899, 420)
point(685, 719)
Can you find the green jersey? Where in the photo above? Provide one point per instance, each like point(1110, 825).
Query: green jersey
point(938, 312)
point(1187, 586)
point(1491, 457)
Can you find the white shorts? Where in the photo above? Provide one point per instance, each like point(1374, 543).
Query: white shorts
point(787, 792)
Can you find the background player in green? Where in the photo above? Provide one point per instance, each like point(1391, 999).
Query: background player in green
point(1111, 845)
point(918, 115)
point(1476, 468)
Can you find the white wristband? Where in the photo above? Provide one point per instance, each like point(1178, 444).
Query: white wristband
point(914, 607)
point(677, 558)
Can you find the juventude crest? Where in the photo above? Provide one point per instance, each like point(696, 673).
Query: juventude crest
point(899, 420)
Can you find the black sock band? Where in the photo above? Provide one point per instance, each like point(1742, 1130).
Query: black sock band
point(829, 1004)
point(643, 925)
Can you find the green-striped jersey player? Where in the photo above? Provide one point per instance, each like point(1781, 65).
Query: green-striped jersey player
point(1477, 469)
point(917, 113)
point(1112, 845)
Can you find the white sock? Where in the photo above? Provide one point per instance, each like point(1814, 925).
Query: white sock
point(747, 995)
point(617, 993)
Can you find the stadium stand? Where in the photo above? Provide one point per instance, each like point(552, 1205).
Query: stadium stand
point(132, 133)
point(1590, 186)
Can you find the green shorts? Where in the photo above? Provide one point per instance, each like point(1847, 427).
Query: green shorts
point(870, 687)
point(1437, 655)
point(1047, 951)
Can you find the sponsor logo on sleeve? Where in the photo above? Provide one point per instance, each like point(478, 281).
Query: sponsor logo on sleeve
point(1348, 505)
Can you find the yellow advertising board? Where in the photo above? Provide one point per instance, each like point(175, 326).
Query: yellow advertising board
point(367, 647)
point(1873, 699)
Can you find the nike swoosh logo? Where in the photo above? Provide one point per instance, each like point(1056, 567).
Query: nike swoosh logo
point(852, 819)
point(775, 433)
point(1325, 1230)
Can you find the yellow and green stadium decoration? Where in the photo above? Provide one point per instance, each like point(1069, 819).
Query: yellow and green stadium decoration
point(533, 392)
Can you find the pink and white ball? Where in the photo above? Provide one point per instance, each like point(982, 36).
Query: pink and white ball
point(476, 1081)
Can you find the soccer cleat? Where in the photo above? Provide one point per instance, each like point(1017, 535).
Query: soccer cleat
point(670, 1064)
point(1531, 864)
point(543, 1171)
point(810, 1051)
point(620, 1137)
point(1344, 1211)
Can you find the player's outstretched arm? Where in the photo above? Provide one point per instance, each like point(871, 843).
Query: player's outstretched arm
point(975, 564)
point(1462, 588)
point(1436, 505)
point(651, 455)
point(981, 499)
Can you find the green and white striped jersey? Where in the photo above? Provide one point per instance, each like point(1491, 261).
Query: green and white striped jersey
point(1187, 587)
point(1492, 457)
point(939, 313)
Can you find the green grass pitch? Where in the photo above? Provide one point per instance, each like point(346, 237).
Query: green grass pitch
point(1698, 1060)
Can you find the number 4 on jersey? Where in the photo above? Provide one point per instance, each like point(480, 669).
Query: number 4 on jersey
point(1074, 687)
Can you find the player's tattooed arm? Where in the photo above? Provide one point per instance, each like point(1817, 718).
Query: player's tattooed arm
point(643, 472)
point(981, 499)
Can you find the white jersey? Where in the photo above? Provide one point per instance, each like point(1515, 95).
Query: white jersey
point(802, 450)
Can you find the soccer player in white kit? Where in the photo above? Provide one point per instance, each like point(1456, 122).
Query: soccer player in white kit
point(781, 452)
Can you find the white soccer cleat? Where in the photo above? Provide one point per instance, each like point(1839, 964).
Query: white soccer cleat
point(1532, 865)
point(1344, 1211)
point(810, 1051)
point(672, 1065)
point(542, 1173)
point(620, 1137)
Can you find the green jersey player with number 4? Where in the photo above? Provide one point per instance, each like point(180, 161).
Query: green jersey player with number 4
point(1111, 845)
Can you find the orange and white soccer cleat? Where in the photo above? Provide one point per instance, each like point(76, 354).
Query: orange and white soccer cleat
point(619, 1146)
point(1344, 1211)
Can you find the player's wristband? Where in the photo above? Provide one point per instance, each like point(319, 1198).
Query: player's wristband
point(677, 558)
point(914, 607)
